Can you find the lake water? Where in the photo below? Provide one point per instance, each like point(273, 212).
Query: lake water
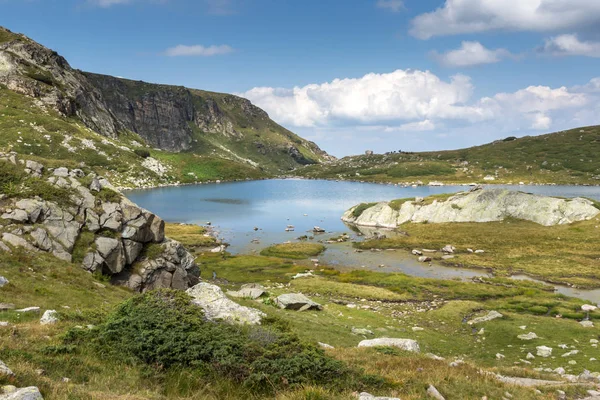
point(235, 209)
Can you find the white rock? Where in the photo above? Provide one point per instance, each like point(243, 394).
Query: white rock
point(404, 344)
point(544, 351)
point(28, 309)
point(528, 336)
point(587, 324)
point(325, 345)
point(368, 396)
point(4, 370)
point(433, 393)
point(217, 306)
point(530, 356)
point(570, 353)
point(50, 317)
point(588, 307)
point(3, 281)
point(490, 316)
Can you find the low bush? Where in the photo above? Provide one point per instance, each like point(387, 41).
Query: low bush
point(142, 153)
point(162, 329)
point(357, 212)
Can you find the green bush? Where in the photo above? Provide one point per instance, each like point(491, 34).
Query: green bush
point(162, 329)
point(142, 153)
point(357, 212)
point(107, 195)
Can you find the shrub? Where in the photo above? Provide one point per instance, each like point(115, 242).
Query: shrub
point(142, 153)
point(357, 212)
point(509, 139)
point(108, 196)
point(163, 329)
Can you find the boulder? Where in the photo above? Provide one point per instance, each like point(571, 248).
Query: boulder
point(61, 172)
point(296, 301)
point(424, 259)
point(16, 215)
point(92, 261)
point(490, 316)
point(449, 249)
point(28, 393)
point(434, 393)
point(111, 250)
point(35, 168)
point(247, 293)
point(544, 351)
point(217, 306)
point(62, 225)
point(17, 241)
point(95, 185)
point(49, 317)
point(404, 344)
point(41, 239)
point(478, 206)
point(111, 216)
point(132, 250)
point(4, 370)
point(4, 247)
point(528, 336)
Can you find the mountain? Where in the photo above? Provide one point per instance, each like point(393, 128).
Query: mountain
point(182, 127)
point(566, 157)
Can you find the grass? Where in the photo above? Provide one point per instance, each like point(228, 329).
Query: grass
point(565, 157)
point(297, 251)
point(191, 236)
point(357, 212)
point(562, 253)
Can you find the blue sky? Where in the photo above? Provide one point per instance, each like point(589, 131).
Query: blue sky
point(350, 74)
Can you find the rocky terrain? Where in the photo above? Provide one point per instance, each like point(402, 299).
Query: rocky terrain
point(94, 226)
point(478, 205)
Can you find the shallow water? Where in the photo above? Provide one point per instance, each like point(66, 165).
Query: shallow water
point(236, 208)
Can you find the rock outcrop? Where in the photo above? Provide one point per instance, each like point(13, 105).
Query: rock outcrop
point(128, 243)
point(485, 205)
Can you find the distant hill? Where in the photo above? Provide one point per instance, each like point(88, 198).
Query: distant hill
point(196, 135)
point(566, 157)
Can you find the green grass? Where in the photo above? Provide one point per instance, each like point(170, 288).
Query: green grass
point(298, 250)
point(357, 212)
point(191, 236)
point(565, 157)
point(563, 253)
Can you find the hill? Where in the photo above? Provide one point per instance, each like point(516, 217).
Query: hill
point(192, 135)
point(566, 157)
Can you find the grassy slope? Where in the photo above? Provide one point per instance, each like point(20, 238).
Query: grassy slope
point(566, 157)
point(42, 136)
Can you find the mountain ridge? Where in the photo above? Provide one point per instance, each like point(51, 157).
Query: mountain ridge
point(170, 118)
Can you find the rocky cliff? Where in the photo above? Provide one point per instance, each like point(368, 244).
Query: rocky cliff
point(476, 206)
point(79, 218)
point(171, 118)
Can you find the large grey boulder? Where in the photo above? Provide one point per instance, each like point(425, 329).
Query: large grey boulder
point(28, 393)
point(16, 215)
point(296, 301)
point(488, 317)
point(49, 317)
point(247, 293)
point(34, 168)
point(111, 217)
point(478, 206)
point(92, 261)
point(217, 306)
point(111, 250)
point(404, 344)
point(34, 208)
point(62, 225)
point(61, 172)
point(132, 250)
point(41, 239)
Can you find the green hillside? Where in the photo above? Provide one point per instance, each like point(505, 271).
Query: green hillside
point(566, 157)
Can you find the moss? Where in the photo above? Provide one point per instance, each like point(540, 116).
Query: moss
point(152, 251)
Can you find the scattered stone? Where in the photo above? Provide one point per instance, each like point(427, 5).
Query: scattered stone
point(434, 357)
point(490, 316)
point(50, 317)
point(424, 259)
point(28, 309)
point(3, 281)
point(296, 301)
point(404, 344)
point(500, 356)
point(61, 172)
point(433, 392)
point(308, 274)
point(217, 306)
point(28, 393)
point(544, 351)
point(417, 252)
point(528, 336)
point(587, 324)
point(417, 329)
point(588, 307)
point(449, 249)
point(6, 306)
point(368, 396)
point(530, 356)
point(325, 345)
point(361, 331)
point(570, 353)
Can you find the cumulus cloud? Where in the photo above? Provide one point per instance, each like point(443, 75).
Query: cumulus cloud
point(392, 5)
point(570, 45)
point(470, 16)
point(197, 50)
point(470, 54)
point(412, 101)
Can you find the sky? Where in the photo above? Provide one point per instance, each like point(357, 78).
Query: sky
point(350, 75)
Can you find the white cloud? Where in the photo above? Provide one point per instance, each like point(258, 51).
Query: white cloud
point(418, 102)
point(470, 54)
point(197, 50)
point(392, 5)
point(570, 45)
point(470, 16)
point(397, 96)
